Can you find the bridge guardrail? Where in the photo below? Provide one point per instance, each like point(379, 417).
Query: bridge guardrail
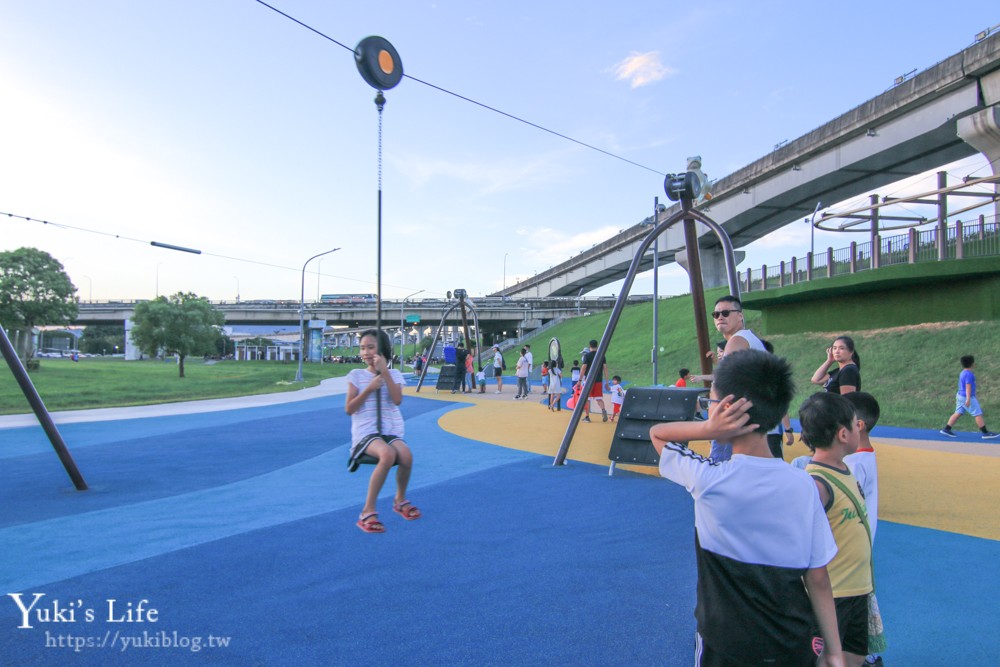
point(960, 241)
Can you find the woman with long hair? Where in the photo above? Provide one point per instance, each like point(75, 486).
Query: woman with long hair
point(847, 376)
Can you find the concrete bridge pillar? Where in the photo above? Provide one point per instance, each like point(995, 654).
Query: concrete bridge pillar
point(981, 130)
point(713, 265)
point(132, 351)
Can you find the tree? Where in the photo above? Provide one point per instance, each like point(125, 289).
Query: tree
point(102, 338)
point(182, 324)
point(34, 290)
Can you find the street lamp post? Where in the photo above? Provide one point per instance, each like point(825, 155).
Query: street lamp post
point(90, 289)
point(505, 272)
point(319, 272)
point(302, 310)
point(158, 278)
point(237, 288)
point(402, 332)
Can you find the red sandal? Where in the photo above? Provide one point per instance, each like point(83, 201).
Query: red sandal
point(407, 510)
point(370, 523)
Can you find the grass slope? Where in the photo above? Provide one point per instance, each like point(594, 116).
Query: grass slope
point(912, 371)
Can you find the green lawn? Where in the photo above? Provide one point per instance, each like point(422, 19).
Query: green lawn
point(105, 382)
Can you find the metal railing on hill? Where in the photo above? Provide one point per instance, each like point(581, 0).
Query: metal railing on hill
point(980, 238)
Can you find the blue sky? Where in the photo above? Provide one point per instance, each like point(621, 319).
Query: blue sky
point(226, 127)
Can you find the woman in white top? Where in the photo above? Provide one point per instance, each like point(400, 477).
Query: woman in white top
point(373, 397)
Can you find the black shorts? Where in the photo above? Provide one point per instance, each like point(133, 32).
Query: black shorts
point(706, 656)
point(354, 460)
point(852, 620)
point(497, 371)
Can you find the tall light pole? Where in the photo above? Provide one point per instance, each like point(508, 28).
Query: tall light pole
point(505, 272)
point(90, 289)
point(319, 272)
point(402, 332)
point(237, 288)
point(302, 310)
point(158, 278)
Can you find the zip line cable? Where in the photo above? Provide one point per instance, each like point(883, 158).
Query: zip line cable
point(243, 260)
point(472, 101)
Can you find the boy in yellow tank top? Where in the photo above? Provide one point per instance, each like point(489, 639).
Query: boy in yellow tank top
point(830, 428)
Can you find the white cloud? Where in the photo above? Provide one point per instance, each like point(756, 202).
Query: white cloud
point(642, 69)
point(546, 247)
point(487, 177)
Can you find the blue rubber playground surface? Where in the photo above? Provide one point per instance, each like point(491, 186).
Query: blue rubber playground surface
point(228, 538)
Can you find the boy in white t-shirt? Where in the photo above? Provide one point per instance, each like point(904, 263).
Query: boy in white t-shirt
point(762, 539)
point(865, 469)
point(617, 392)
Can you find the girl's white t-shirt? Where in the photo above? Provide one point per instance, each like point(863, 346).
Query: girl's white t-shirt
point(364, 422)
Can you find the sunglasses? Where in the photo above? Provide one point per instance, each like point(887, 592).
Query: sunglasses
point(716, 314)
point(704, 402)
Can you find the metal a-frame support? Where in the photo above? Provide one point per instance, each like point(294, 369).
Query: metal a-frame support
point(686, 213)
point(437, 333)
point(38, 406)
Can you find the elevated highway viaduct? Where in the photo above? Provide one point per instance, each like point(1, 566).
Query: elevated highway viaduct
point(945, 113)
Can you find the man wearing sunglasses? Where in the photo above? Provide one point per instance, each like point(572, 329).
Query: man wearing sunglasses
point(728, 318)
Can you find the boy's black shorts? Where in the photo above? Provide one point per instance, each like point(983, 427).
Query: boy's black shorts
point(706, 656)
point(852, 620)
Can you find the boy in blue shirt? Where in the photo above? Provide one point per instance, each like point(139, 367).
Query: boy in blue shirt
point(966, 401)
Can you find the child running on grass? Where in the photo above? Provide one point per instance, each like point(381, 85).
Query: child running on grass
point(762, 540)
point(373, 397)
point(830, 428)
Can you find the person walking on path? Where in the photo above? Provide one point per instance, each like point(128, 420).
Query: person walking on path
point(470, 371)
point(521, 371)
point(967, 403)
point(531, 363)
point(597, 390)
point(373, 397)
point(498, 368)
point(847, 377)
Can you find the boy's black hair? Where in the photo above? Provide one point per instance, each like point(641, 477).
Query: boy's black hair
point(576, 362)
point(384, 345)
point(865, 407)
point(617, 377)
point(822, 415)
point(967, 361)
point(764, 379)
point(593, 344)
point(684, 372)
